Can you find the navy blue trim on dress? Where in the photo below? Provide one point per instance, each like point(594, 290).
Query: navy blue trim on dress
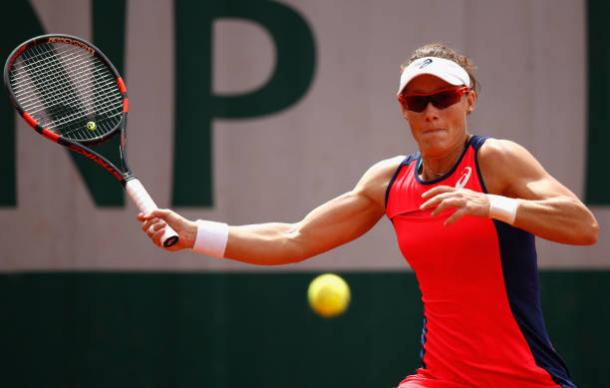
point(422, 340)
point(477, 143)
point(520, 270)
point(405, 162)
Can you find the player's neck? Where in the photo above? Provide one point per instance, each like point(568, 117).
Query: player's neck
point(434, 167)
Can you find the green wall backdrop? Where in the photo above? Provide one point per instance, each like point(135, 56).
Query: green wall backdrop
point(240, 330)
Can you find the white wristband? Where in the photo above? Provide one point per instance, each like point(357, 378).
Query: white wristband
point(503, 208)
point(211, 238)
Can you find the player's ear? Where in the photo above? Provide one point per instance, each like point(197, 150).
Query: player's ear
point(471, 101)
point(404, 112)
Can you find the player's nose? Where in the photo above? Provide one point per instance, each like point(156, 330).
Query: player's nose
point(431, 112)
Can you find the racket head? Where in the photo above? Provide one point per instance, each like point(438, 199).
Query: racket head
point(66, 89)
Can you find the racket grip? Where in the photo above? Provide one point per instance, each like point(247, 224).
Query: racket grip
point(145, 203)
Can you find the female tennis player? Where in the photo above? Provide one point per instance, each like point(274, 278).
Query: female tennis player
point(465, 209)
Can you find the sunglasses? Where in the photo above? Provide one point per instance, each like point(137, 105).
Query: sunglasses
point(441, 99)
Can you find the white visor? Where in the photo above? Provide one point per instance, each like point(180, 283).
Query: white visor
point(444, 69)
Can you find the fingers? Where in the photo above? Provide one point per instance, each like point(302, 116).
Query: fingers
point(157, 235)
point(155, 229)
point(159, 213)
point(449, 203)
point(435, 201)
point(150, 222)
point(455, 216)
point(444, 198)
point(154, 224)
point(438, 190)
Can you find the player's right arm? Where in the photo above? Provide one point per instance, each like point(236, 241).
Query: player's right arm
point(336, 222)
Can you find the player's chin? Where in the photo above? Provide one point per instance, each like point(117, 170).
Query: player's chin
point(434, 141)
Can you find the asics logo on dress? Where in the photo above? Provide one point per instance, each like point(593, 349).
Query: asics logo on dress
point(464, 178)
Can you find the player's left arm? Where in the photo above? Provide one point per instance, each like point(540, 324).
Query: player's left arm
point(545, 207)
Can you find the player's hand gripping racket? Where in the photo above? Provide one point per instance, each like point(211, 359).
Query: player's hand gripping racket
point(67, 90)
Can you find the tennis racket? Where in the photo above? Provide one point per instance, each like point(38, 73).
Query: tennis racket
point(68, 91)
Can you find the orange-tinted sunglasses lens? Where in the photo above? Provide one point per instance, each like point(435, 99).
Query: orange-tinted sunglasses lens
point(441, 100)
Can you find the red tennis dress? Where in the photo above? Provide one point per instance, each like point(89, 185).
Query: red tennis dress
point(483, 325)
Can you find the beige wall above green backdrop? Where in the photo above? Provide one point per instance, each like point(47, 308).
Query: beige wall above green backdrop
point(281, 106)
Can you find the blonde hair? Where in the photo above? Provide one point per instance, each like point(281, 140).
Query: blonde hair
point(440, 50)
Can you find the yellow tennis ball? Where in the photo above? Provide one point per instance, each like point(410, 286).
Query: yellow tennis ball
point(91, 126)
point(328, 295)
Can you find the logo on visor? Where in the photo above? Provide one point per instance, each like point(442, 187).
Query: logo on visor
point(425, 63)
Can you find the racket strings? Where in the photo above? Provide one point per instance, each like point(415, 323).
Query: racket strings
point(57, 69)
point(35, 56)
point(32, 65)
point(62, 94)
point(23, 85)
point(66, 89)
point(58, 108)
point(65, 99)
point(20, 83)
point(82, 81)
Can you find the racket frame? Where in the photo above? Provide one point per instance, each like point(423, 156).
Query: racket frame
point(123, 174)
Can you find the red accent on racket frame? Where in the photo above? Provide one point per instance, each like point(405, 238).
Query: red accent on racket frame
point(50, 134)
point(30, 120)
point(17, 54)
point(98, 160)
point(43, 131)
point(126, 105)
point(122, 87)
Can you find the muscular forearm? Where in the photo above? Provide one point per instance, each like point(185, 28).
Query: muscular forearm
point(561, 219)
point(264, 244)
point(337, 222)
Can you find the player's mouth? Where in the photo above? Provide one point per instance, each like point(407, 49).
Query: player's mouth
point(433, 131)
